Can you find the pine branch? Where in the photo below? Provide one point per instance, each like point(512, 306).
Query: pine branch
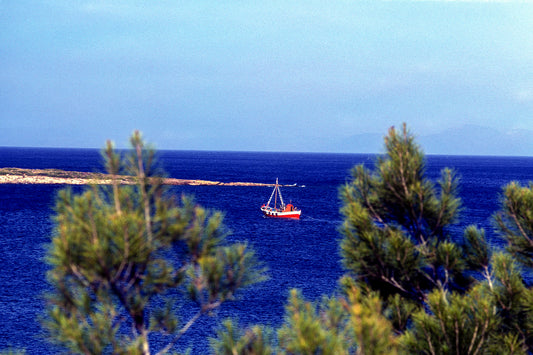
point(514, 216)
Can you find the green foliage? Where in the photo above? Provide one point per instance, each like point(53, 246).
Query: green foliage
point(395, 228)
point(232, 340)
point(399, 311)
point(373, 333)
point(455, 324)
point(513, 300)
point(446, 295)
point(476, 249)
point(313, 329)
point(351, 324)
point(494, 316)
point(121, 254)
point(515, 221)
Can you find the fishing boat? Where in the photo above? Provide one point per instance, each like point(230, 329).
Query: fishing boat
point(281, 211)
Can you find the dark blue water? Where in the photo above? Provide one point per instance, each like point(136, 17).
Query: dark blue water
point(299, 253)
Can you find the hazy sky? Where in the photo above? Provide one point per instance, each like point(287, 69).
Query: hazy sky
point(259, 75)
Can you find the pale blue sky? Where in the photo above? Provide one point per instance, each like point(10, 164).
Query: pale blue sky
point(261, 75)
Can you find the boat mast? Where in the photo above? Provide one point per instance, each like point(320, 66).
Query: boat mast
point(276, 196)
point(280, 198)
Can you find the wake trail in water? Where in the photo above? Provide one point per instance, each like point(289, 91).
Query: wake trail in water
point(321, 220)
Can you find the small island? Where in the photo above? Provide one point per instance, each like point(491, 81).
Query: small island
point(64, 177)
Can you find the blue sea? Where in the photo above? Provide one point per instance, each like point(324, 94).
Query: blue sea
point(301, 254)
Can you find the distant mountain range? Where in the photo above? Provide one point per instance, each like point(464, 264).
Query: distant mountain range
point(465, 140)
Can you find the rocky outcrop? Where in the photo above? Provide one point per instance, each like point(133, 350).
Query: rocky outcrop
point(63, 177)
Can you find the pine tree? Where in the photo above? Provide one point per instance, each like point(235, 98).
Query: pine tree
point(446, 294)
point(122, 257)
point(514, 296)
point(396, 228)
point(514, 221)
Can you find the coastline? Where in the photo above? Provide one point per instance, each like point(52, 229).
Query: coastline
point(63, 177)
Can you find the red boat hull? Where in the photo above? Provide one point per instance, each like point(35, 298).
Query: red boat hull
point(274, 213)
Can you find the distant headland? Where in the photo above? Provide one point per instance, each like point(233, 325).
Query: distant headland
point(64, 177)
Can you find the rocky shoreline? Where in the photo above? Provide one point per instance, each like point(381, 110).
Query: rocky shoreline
point(63, 177)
